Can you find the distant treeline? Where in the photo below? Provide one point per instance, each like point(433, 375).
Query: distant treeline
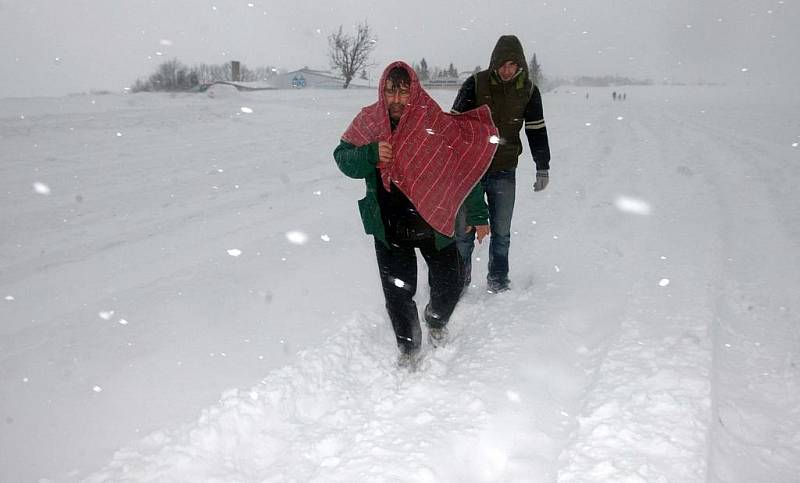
point(595, 81)
point(173, 76)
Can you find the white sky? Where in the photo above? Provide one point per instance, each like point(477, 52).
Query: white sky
point(53, 47)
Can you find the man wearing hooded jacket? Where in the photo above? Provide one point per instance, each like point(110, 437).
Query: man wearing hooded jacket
point(419, 165)
point(514, 102)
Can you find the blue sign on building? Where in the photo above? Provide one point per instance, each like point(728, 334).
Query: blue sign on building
point(298, 81)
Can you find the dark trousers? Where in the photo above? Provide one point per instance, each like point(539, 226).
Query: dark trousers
point(397, 265)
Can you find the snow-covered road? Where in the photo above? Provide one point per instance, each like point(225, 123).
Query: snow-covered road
point(651, 333)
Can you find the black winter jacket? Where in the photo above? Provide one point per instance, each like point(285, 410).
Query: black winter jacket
point(513, 103)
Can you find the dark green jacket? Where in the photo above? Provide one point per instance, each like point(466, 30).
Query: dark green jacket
point(360, 163)
point(513, 103)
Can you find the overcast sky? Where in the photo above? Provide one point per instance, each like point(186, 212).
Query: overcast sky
point(54, 47)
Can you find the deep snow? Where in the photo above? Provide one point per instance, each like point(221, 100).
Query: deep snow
point(159, 251)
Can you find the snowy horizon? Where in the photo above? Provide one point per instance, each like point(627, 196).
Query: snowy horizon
point(188, 295)
point(52, 48)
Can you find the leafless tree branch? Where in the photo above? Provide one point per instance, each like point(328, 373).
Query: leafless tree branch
point(349, 54)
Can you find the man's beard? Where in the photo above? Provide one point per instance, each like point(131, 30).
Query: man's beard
point(396, 111)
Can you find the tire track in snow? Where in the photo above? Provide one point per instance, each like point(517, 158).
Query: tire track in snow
point(756, 373)
point(645, 412)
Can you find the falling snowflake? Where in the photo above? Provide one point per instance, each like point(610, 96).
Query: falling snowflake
point(632, 205)
point(41, 188)
point(297, 237)
point(234, 252)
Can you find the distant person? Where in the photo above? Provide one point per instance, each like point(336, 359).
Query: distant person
point(515, 102)
point(614, 96)
point(419, 165)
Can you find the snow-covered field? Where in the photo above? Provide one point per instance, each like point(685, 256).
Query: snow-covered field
point(186, 294)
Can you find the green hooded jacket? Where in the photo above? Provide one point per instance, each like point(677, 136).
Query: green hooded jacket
point(506, 101)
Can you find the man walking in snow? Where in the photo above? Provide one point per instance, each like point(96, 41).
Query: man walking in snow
point(420, 165)
point(514, 100)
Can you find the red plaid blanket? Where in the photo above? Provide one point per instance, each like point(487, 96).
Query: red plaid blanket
point(438, 157)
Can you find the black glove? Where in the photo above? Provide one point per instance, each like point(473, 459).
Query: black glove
point(542, 178)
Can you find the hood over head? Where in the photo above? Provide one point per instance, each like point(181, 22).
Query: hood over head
point(508, 47)
point(415, 86)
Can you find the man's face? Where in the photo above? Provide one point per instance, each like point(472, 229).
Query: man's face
point(507, 70)
point(396, 99)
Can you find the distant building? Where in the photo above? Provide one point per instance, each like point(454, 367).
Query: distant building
point(315, 79)
point(447, 82)
point(442, 82)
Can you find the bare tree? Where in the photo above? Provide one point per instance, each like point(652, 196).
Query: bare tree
point(170, 75)
point(349, 54)
point(264, 73)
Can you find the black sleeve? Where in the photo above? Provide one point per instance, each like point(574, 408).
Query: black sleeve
point(536, 131)
point(465, 100)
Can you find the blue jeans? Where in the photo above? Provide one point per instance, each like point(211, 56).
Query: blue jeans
point(500, 187)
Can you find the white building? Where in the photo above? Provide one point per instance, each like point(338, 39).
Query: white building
point(317, 79)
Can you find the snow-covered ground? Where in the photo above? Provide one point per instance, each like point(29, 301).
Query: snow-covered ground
point(186, 294)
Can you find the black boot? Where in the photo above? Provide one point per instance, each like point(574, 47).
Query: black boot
point(437, 332)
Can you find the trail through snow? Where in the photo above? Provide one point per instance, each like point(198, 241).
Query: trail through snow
point(651, 333)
